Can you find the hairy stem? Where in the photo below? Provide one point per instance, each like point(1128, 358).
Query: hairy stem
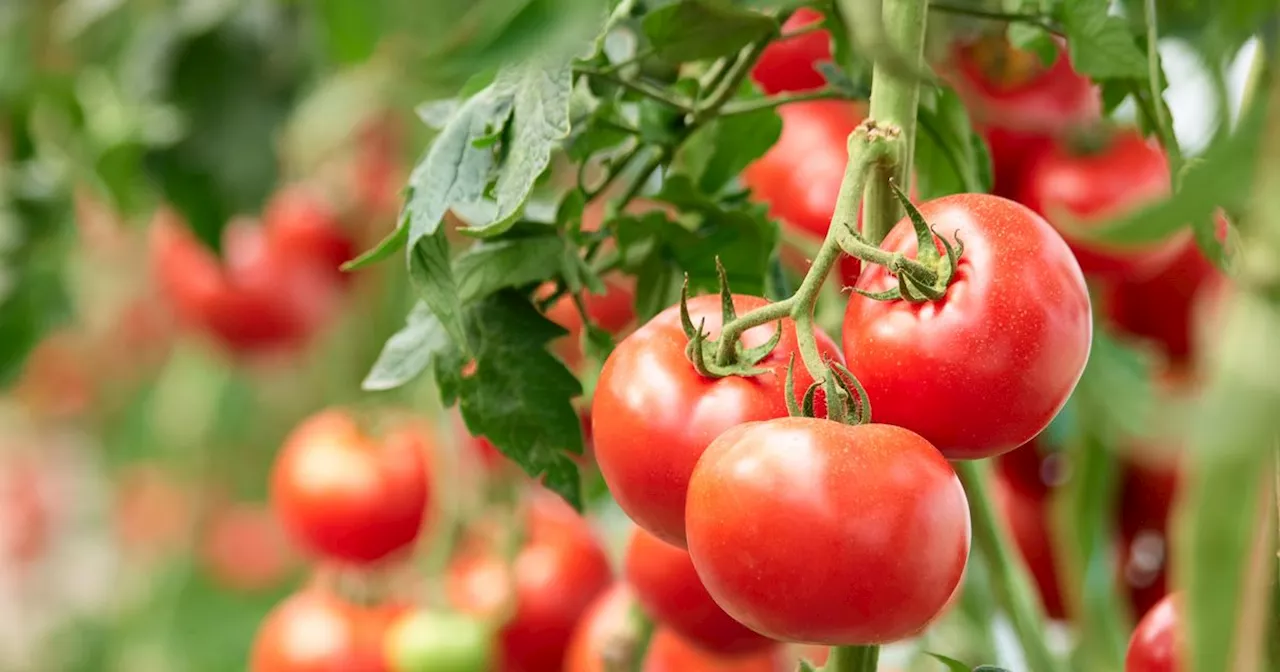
point(894, 98)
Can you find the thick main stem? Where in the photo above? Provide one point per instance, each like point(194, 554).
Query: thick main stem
point(853, 659)
point(893, 101)
point(1009, 577)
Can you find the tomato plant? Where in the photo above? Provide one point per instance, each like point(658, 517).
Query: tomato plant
point(833, 579)
point(347, 496)
point(791, 64)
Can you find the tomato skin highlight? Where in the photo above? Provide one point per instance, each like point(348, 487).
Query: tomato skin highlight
point(1156, 645)
point(668, 587)
point(653, 414)
point(985, 369)
point(607, 618)
point(771, 534)
point(558, 572)
point(346, 496)
point(1019, 115)
point(789, 65)
point(315, 631)
point(1084, 189)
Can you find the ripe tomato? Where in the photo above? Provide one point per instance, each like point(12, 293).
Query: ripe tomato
point(1078, 189)
point(1156, 645)
point(799, 177)
point(557, 573)
point(985, 369)
point(668, 587)
point(653, 414)
point(611, 311)
point(598, 632)
point(347, 496)
point(307, 231)
point(772, 535)
point(427, 641)
point(1018, 104)
point(315, 631)
point(789, 65)
point(1025, 512)
point(244, 548)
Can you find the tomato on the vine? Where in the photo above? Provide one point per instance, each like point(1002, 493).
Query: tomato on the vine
point(244, 548)
point(653, 413)
point(1018, 104)
point(429, 641)
point(983, 370)
point(667, 585)
point(1073, 187)
point(814, 531)
point(599, 644)
point(346, 495)
point(558, 571)
point(1156, 645)
point(316, 631)
point(790, 64)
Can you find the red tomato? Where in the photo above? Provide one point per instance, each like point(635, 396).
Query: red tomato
point(799, 177)
point(315, 631)
point(814, 531)
point(1078, 189)
point(668, 587)
point(606, 620)
point(1156, 645)
point(1026, 513)
point(790, 65)
point(1018, 104)
point(244, 548)
point(557, 573)
point(1162, 308)
point(349, 497)
point(985, 369)
point(611, 311)
point(653, 414)
point(307, 231)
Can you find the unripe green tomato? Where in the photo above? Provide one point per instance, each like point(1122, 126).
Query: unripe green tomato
point(426, 641)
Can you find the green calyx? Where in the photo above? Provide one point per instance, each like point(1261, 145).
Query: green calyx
point(712, 358)
point(924, 278)
point(847, 400)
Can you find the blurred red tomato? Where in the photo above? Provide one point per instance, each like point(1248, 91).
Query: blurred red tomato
point(316, 631)
point(789, 65)
point(348, 496)
point(244, 548)
point(558, 571)
point(306, 231)
point(1156, 645)
point(1018, 104)
point(612, 311)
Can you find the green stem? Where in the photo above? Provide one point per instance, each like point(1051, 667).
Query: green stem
point(894, 98)
point(852, 659)
point(748, 106)
point(730, 82)
point(642, 176)
point(1008, 574)
point(1163, 124)
point(1012, 17)
point(638, 87)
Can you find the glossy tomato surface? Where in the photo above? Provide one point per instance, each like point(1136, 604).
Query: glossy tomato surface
point(1074, 189)
point(1156, 645)
point(814, 531)
point(1018, 104)
point(790, 65)
point(596, 637)
point(667, 585)
point(653, 414)
point(557, 573)
point(799, 177)
point(347, 496)
point(315, 631)
point(983, 370)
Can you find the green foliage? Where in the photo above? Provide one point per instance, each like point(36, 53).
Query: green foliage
point(950, 157)
point(697, 29)
point(954, 665)
point(1101, 45)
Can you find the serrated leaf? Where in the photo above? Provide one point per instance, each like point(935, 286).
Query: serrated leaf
point(737, 141)
point(432, 276)
point(1101, 45)
point(952, 664)
point(408, 352)
point(538, 92)
point(384, 249)
point(519, 394)
point(694, 30)
point(490, 266)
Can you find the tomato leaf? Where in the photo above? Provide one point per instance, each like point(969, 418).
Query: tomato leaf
point(1101, 45)
point(386, 247)
point(408, 352)
point(952, 664)
point(432, 275)
point(538, 93)
point(950, 157)
point(493, 265)
point(518, 395)
point(736, 141)
point(693, 30)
